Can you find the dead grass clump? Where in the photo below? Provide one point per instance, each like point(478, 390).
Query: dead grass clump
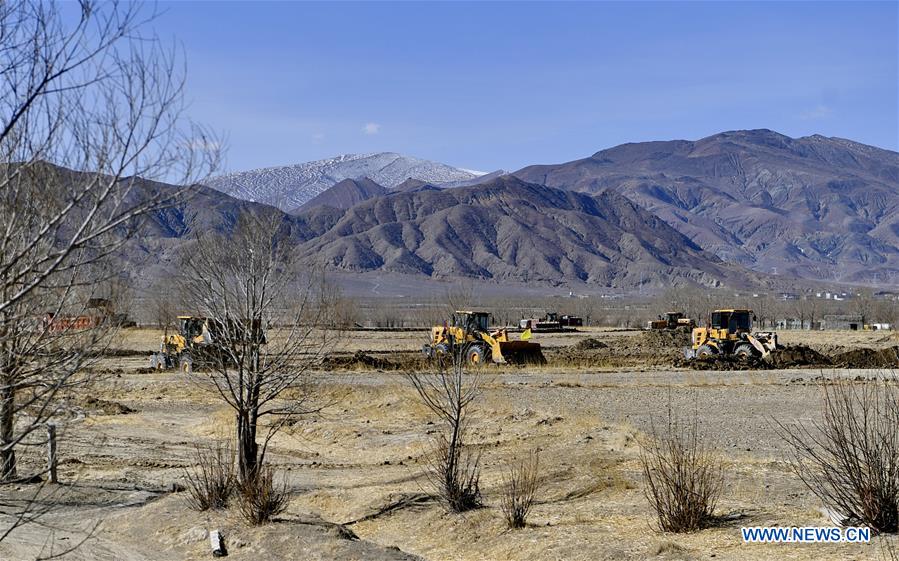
point(851, 459)
point(668, 547)
point(520, 488)
point(683, 476)
point(211, 481)
point(260, 498)
point(455, 473)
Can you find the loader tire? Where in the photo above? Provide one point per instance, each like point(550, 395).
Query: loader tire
point(186, 364)
point(744, 351)
point(475, 355)
point(706, 351)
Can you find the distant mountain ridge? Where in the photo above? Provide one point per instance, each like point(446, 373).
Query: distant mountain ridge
point(345, 194)
point(509, 229)
point(812, 207)
point(503, 230)
point(289, 187)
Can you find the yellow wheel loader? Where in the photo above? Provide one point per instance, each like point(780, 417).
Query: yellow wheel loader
point(479, 344)
point(672, 321)
point(729, 333)
point(199, 341)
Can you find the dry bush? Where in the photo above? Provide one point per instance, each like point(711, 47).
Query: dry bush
point(683, 476)
point(259, 498)
point(520, 488)
point(211, 481)
point(455, 473)
point(851, 459)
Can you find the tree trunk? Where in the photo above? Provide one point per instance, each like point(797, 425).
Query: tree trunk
point(247, 448)
point(7, 433)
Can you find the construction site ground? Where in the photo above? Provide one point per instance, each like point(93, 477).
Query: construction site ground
point(355, 470)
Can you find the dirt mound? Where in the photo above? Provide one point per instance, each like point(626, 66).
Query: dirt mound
point(721, 362)
point(667, 338)
point(589, 344)
point(358, 359)
point(868, 358)
point(644, 349)
point(796, 356)
point(122, 353)
point(105, 407)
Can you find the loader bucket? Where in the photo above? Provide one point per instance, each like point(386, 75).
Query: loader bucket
point(522, 352)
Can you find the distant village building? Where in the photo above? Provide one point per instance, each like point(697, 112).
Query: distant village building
point(790, 323)
point(851, 322)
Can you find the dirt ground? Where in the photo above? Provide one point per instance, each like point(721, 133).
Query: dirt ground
point(355, 471)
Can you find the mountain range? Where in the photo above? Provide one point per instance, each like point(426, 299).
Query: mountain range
point(813, 207)
point(507, 229)
point(289, 187)
point(732, 209)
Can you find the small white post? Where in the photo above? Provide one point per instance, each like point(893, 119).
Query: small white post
point(51, 453)
point(216, 543)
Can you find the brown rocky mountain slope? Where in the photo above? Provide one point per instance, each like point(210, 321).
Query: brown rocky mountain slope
point(508, 229)
point(811, 207)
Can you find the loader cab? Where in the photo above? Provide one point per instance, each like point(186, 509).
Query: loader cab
point(190, 326)
point(473, 321)
point(193, 329)
point(673, 318)
point(732, 321)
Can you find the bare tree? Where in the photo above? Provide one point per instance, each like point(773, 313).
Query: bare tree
point(764, 309)
point(264, 311)
point(88, 106)
point(162, 308)
point(887, 311)
point(344, 308)
point(694, 303)
point(807, 309)
point(459, 296)
point(863, 305)
point(86, 109)
point(453, 470)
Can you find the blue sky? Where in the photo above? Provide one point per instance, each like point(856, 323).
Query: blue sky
point(504, 85)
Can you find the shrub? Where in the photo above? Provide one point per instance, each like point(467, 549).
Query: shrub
point(210, 482)
point(850, 461)
point(683, 476)
point(520, 487)
point(260, 498)
point(455, 473)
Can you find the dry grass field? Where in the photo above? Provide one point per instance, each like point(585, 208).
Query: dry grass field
point(355, 470)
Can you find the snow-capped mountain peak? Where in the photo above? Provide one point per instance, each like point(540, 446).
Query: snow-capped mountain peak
point(289, 187)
